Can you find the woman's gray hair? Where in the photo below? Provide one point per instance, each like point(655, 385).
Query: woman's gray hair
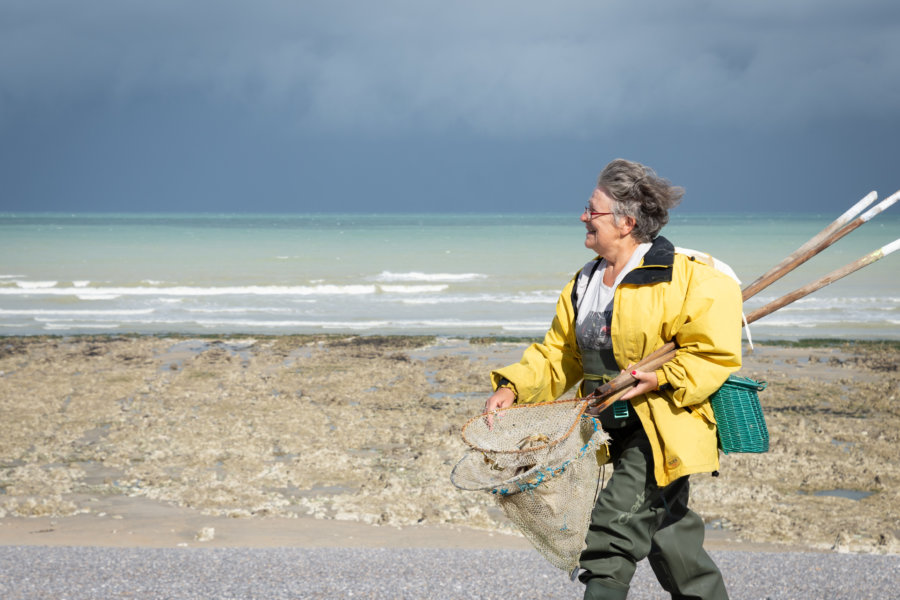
point(638, 192)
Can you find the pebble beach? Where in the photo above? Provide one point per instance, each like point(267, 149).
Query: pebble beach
point(127, 444)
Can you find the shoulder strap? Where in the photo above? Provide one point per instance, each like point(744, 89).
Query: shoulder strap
point(575, 287)
point(708, 260)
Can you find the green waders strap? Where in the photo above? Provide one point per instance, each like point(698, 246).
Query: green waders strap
point(620, 407)
point(594, 377)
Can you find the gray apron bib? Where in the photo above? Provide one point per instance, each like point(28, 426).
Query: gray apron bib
point(599, 367)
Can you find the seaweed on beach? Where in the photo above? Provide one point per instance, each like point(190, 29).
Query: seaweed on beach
point(832, 343)
point(366, 428)
point(485, 340)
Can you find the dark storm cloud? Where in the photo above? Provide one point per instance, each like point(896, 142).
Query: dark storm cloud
point(497, 69)
point(279, 105)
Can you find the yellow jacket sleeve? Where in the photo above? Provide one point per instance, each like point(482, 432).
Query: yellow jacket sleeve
point(708, 335)
point(547, 370)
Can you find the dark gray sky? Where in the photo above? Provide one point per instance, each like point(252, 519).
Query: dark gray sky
point(418, 105)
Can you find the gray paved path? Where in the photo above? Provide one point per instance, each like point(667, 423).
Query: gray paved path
point(58, 573)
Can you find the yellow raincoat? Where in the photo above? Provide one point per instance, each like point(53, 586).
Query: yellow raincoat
point(667, 297)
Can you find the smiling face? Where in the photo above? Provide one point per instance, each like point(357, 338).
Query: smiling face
point(605, 236)
point(601, 229)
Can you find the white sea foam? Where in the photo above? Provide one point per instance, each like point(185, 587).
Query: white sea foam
point(376, 324)
point(77, 313)
point(413, 289)
point(243, 310)
point(252, 323)
point(849, 307)
point(485, 298)
point(97, 296)
point(823, 298)
point(417, 276)
point(804, 325)
point(833, 311)
point(846, 299)
point(437, 300)
point(832, 321)
point(68, 326)
point(307, 324)
point(539, 327)
point(251, 290)
point(827, 302)
point(480, 292)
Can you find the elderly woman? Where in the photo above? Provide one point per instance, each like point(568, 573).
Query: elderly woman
point(636, 295)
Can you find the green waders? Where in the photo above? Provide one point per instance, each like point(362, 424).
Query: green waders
point(635, 519)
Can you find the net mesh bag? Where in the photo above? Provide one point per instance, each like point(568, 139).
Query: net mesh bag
point(539, 461)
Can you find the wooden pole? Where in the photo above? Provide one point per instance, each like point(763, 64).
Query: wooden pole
point(841, 226)
point(617, 387)
point(801, 256)
point(607, 393)
point(856, 265)
point(816, 244)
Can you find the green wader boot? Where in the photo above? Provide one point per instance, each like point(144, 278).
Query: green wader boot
point(634, 519)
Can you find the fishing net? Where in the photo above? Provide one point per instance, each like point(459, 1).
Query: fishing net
point(540, 462)
point(518, 435)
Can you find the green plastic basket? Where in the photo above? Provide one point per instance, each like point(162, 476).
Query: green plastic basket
point(739, 416)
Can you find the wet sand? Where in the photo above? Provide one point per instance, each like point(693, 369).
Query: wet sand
point(349, 441)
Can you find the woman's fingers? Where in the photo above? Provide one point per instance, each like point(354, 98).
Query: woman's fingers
point(502, 398)
point(646, 382)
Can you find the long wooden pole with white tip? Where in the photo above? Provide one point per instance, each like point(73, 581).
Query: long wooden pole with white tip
point(839, 228)
point(816, 244)
point(856, 265)
point(812, 248)
point(606, 394)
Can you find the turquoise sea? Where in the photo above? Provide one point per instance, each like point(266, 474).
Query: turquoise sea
point(453, 275)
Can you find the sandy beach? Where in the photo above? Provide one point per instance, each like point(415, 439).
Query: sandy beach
point(318, 441)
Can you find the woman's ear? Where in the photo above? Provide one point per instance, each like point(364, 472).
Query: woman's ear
point(626, 225)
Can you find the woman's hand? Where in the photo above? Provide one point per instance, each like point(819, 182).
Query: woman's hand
point(502, 398)
point(646, 382)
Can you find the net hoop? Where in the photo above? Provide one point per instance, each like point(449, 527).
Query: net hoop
point(516, 480)
point(497, 442)
point(550, 500)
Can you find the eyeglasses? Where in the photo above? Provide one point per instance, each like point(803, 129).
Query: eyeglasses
point(593, 215)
